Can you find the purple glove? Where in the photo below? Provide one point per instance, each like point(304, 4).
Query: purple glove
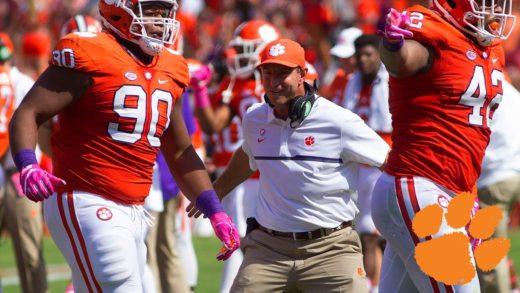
point(199, 83)
point(227, 233)
point(395, 30)
point(38, 184)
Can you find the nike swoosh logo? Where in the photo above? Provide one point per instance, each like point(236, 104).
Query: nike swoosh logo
point(260, 140)
point(162, 81)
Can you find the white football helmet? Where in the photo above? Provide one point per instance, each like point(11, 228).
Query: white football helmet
point(249, 39)
point(486, 20)
point(125, 18)
point(80, 23)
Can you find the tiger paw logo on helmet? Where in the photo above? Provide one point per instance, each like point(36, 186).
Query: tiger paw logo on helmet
point(277, 50)
point(447, 258)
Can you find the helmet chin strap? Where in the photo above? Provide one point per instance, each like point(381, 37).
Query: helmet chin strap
point(150, 46)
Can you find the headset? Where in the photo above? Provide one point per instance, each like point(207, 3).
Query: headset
point(299, 106)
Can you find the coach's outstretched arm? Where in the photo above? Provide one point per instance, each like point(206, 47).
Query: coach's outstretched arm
point(236, 172)
point(191, 176)
point(402, 57)
point(54, 90)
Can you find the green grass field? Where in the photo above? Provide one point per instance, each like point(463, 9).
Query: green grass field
point(206, 249)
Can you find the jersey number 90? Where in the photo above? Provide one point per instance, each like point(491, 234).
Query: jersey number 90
point(160, 106)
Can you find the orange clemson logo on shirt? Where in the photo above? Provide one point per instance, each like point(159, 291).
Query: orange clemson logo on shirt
point(447, 258)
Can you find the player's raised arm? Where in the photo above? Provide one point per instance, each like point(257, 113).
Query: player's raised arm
point(211, 120)
point(191, 176)
point(402, 57)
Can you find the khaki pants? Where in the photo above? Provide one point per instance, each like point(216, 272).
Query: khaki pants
point(504, 194)
point(23, 220)
point(163, 258)
point(333, 263)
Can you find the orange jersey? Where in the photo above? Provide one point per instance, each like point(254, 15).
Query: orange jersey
point(6, 109)
point(441, 117)
point(229, 139)
point(107, 141)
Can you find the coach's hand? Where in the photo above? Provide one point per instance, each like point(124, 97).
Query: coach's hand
point(395, 30)
point(227, 233)
point(193, 211)
point(38, 184)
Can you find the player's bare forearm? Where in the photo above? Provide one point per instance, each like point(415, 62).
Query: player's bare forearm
point(213, 121)
point(236, 172)
point(184, 163)
point(23, 130)
point(412, 58)
point(190, 174)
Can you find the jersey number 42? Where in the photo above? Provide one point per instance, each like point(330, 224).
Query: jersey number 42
point(475, 97)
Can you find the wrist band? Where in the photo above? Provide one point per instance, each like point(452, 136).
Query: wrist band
point(208, 203)
point(393, 47)
point(25, 157)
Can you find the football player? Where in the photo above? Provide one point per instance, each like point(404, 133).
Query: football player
point(446, 68)
point(118, 98)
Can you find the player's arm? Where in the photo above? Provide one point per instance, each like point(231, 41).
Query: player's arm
point(191, 176)
point(402, 57)
point(213, 120)
point(54, 90)
point(412, 58)
point(184, 163)
point(236, 172)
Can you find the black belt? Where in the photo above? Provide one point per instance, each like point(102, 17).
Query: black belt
point(306, 235)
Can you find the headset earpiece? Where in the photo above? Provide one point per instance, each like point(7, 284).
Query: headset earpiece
point(301, 106)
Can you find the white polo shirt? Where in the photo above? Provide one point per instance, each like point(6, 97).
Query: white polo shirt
point(308, 174)
point(502, 158)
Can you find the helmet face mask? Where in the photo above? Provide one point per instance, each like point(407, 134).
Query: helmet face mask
point(149, 23)
point(249, 39)
point(485, 20)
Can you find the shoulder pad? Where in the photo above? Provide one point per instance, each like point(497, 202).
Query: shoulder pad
point(75, 51)
point(428, 27)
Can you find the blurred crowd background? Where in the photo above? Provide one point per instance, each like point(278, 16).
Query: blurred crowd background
point(207, 26)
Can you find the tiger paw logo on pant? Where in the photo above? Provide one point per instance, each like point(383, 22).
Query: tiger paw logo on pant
point(447, 258)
